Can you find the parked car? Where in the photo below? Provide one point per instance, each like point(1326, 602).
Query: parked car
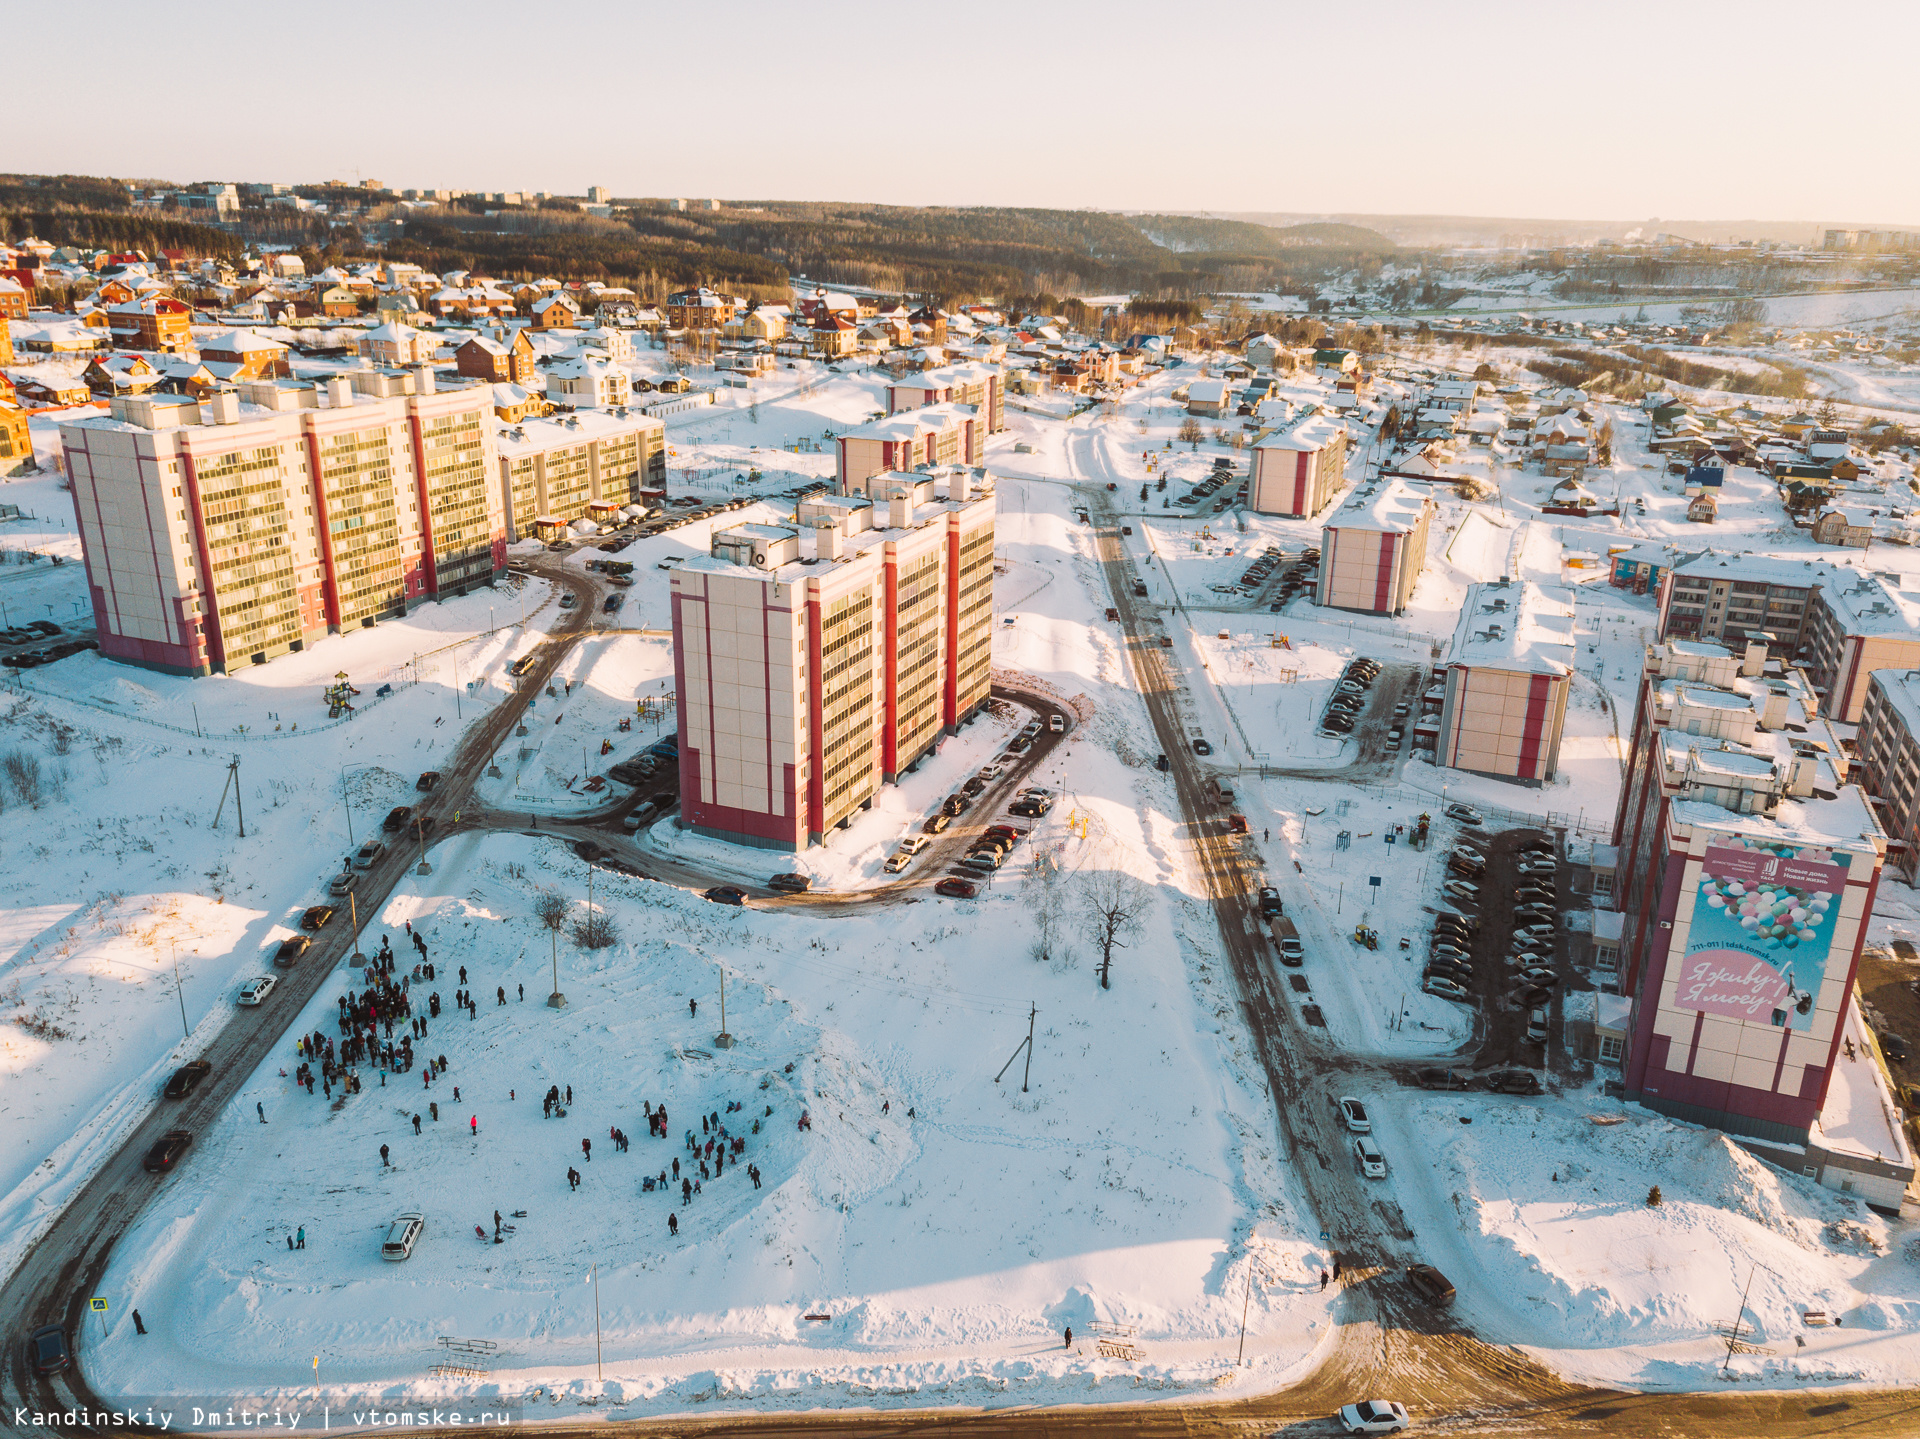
point(1200, 746)
point(611, 605)
point(1534, 931)
point(1368, 1158)
point(1514, 1081)
point(897, 861)
point(1893, 1046)
point(1463, 814)
point(342, 884)
point(791, 883)
point(957, 888)
point(1445, 989)
point(915, 844)
point(1460, 892)
point(166, 1151)
point(1537, 1024)
point(48, 1350)
point(368, 854)
point(1292, 953)
point(402, 1235)
point(973, 787)
point(291, 949)
point(187, 1078)
point(316, 917)
point(937, 822)
point(1270, 904)
point(1430, 1284)
point(1354, 1114)
point(1538, 974)
point(1444, 1079)
point(726, 894)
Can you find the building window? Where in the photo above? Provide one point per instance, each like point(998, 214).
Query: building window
point(1610, 1048)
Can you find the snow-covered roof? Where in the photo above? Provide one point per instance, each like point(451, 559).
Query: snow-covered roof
point(1312, 431)
point(1396, 509)
point(529, 436)
point(1718, 565)
point(1522, 626)
point(1865, 604)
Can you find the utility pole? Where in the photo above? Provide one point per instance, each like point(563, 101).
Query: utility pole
point(359, 960)
point(1027, 1073)
point(599, 1374)
point(722, 1040)
point(180, 993)
point(238, 810)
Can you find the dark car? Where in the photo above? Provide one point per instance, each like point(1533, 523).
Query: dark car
point(1894, 1047)
point(427, 781)
point(726, 894)
point(955, 804)
point(612, 603)
point(974, 786)
point(1200, 746)
point(957, 888)
point(1430, 1284)
point(187, 1078)
point(791, 883)
point(167, 1150)
point(936, 823)
point(422, 826)
point(48, 1351)
point(316, 917)
point(397, 818)
point(291, 949)
point(1270, 904)
point(1445, 1079)
point(1514, 1081)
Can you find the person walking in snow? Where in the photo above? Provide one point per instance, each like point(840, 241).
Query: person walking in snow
point(383, 1157)
point(300, 1239)
point(693, 1008)
point(673, 1225)
point(1069, 1343)
point(573, 1178)
point(586, 1148)
point(501, 991)
point(1323, 1279)
point(473, 1121)
point(416, 1124)
point(257, 1109)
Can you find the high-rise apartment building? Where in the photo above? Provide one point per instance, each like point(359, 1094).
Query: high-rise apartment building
point(816, 660)
point(1748, 865)
point(231, 530)
point(579, 466)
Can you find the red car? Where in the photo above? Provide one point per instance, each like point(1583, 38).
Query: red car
point(957, 888)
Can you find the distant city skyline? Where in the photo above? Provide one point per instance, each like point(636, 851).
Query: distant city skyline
point(1489, 109)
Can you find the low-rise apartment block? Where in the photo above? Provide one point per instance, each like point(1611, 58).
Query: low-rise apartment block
point(1508, 675)
point(1299, 468)
point(1372, 552)
point(555, 471)
point(938, 435)
point(817, 660)
point(982, 386)
point(1857, 623)
point(1729, 599)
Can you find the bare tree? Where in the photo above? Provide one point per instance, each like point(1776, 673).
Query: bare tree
point(551, 910)
point(595, 930)
point(1190, 431)
point(1047, 910)
point(1112, 903)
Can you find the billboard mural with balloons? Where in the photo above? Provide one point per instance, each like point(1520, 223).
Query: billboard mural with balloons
point(1762, 927)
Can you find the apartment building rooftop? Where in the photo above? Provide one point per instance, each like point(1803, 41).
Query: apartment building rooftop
point(1867, 604)
point(1396, 509)
point(528, 435)
point(1770, 569)
point(1521, 626)
point(1902, 691)
point(1310, 430)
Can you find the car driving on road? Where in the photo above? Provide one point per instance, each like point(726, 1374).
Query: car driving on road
point(726, 894)
point(1373, 1416)
point(166, 1151)
point(255, 990)
point(48, 1351)
point(187, 1078)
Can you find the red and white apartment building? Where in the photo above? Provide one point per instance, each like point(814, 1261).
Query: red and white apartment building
point(1373, 551)
point(982, 386)
point(816, 660)
point(1299, 468)
point(946, 434)
point(227, 531)
point(1509, 670)
point(1748, 865)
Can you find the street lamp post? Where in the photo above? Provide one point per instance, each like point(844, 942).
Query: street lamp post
point(179, 992)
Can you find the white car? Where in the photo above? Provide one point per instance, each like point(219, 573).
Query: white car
point(1355, 1114)
point(897, 861)
point(1464, 813)
point(1373, 1416)
point(1057, 723)
point(1367, 1155)
point(914, 844)
point(401, 1237)
point(255, 990)
point(1446, 989)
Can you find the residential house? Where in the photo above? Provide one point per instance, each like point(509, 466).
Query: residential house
point(16, 438)
point(397, 345)
point(1209, 396)
point(121, 375)
point(555, 312)
point(699, 309)
point(251, 356)
point(556, 472)
point(589, 383)
point(759, 325)
point(1263, 351)
point(13, 299)
point(512, 404)
point(1703, 508)
point(832, 337)
point(1738, 598)
point(1335, 363)
point(504, 356)
point(1851, 527)
point(156, 324)
point(42, 390)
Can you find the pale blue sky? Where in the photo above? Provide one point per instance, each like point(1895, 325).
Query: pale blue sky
point(1484, 107)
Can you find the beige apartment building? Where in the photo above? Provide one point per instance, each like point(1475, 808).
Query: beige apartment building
point(817, 660)
point(1373, 552)
point(1508, 675)
point(1299, 467)
point(234, 529)
point(554, 471)
point(1856, 624)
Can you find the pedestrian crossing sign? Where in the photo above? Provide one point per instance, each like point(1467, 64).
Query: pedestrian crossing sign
point(98, 1306)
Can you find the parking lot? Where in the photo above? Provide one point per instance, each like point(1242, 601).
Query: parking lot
point(1510, 888)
